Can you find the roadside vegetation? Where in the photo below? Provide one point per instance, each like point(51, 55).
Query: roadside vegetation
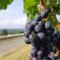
point(10, 31)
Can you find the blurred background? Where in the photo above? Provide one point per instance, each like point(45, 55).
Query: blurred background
point(13, 19)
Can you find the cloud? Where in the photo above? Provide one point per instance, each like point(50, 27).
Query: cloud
point(9, 24)
point(20, 21)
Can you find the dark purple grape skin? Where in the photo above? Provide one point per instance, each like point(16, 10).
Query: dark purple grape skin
point(34, 22)
point(41, 35)
point(29, 26)
point(48, 10)
point(27, 41)
point(27, 33)
point(46, 58)
point(42, 25)
point(32, 37)
point(56, 38)
point(51, 56)
point(38, 18)
point(45, 13)
point(49, 32)
point(34, 52)
point(40, 54)
point(37, 28)
point(47, 25)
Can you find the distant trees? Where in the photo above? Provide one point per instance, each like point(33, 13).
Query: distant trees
point(4, 32)
point(5, 3)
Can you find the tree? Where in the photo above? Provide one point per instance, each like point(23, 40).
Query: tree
point(30, 8)
point(5, 32)
point(4, 3)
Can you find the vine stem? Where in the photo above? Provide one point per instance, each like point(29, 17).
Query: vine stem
point(53, 13)
point(42, 5)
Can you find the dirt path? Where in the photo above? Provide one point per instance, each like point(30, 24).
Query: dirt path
point(10, 44)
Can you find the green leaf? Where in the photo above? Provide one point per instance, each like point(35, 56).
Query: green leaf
point(5, 3)
point(30, 7)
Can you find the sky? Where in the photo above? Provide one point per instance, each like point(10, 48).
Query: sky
point(13, 17)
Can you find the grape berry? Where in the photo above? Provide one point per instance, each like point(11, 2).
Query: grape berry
point(43, 37)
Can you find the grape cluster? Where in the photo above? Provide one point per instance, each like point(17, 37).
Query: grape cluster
point(43, 37)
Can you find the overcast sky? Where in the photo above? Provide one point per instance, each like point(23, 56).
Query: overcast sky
point(13, 16)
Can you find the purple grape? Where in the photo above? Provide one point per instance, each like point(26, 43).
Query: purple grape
point(32, 37)
point(27, 33)
point(29, 26)
point(49, 32)
point(47, 25)
point(34, 52)
point(38, 17)
point(41, 35)
point(42, 14)
point(34, 22)
point(48, 10)
point(37, 28)
point(40, 55)
point(27, 41)
point(45, 13)
point(51, 56)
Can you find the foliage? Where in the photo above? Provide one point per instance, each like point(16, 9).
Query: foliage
point(30, 7)
point(4, 3)
point(55, 4)
point(5, 32)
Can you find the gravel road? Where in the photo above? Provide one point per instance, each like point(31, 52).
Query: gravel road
point(9, 44)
